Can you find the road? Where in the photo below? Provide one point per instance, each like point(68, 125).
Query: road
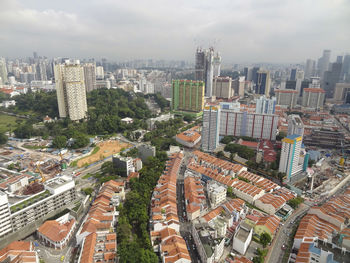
point(275, 254)
point(185, 226)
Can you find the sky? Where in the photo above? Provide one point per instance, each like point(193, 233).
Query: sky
point(243, 31)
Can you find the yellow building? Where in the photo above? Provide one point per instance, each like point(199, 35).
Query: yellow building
point(267, 224)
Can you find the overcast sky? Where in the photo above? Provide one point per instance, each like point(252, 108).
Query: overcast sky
point(242, 30)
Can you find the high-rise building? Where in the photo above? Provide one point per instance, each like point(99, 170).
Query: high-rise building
point(310, 68)
point(71, 91)
point(237, 123)
point(187, 96)
point(291, 84)
point(100, 73)
point(346, 69)
point(210, 129)
point(217, 65)
point(265, 105)
point(313, 98)
point(204, 68)
point(254, 77)
point(287, 98)
point(3, 70)
point(323, 63)
point(330, 78)
point(222, 87)
point(293, 74)
point(262, 86)
point(341, 92)
point(299, 79)
point(246, 72)
point(90, 76)
point(304, 85)
point(295, 125)
point(41, 70)
point(339, 59)
point(238, 86)
point(290, 156)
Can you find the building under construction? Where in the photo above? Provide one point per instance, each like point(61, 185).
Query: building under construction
point(326, 139)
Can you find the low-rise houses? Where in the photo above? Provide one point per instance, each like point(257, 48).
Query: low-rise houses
point(194, 197)
point(246, 191)
point(57, 233)
point(267, 224)
point(19, 251)
point(164, 221)
point(309, 252)
point(189, 138)
point(97, 235)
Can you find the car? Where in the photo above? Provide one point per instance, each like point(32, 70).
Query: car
point(284, 247)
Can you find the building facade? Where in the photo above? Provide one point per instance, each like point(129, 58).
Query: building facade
point(71, 91)
point(210, 129)
point(265, 105)
point(295, 125)
point(222, 87)
point(188, 96)
point(262, 85)
point(287, 98)
point(313, 98)
point(290, 155)
point(90, 76)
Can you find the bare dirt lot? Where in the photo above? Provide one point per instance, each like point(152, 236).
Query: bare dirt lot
point(106, 149)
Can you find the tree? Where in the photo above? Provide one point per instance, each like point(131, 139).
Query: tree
point(281, 135)
point(311, 163)
point(295, 202)
point(227, 139)
point(80, 141)
point(241, 150)
point(59, 142)
point(24, 131)
point(265, 239)
point(188, 118)
point(220, 154)
point(88, 191)
point(3, 138)
point(230, 193)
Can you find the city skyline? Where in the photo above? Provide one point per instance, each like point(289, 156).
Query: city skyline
point(243, 32)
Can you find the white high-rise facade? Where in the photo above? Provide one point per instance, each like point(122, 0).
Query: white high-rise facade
point(217, 65)
point(323, 63)
point(265, 105)
point(310, 68)
point(100, 72)
point(3, 70)
point(71, 91)
point(295, 125)
point(90, 76)
point(210, 73)
point(290, 156)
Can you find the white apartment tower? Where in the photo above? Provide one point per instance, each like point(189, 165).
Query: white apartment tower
point(90, 76)
point(71, 91)
point(290, 156)
point(295, 125)
point(210, 130)
point(265, 105)
point(217, 65)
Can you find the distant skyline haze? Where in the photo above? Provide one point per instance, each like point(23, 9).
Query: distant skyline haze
point(249, 31)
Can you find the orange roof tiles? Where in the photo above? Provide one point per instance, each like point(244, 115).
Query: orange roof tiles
point(213, 214)
point(241, 259)
point(19, 251)
point(234, 205)
point(247, 188)
point(313, 226)
point(188, 136)
point(270, 199)
point(55, 231)
point(271, 222)
point(314, 90)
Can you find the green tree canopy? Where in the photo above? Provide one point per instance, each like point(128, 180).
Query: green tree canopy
point(59, 142)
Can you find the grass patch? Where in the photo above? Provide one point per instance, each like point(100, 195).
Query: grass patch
point(6, 121)
point(29, 201)
point(87, 176)
point(77, 206)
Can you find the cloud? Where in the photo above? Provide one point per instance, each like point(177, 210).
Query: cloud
point(243, 31)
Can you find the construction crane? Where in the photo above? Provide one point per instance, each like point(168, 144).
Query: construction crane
point(43, 179)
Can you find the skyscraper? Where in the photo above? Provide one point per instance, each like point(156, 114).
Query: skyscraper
point(255, 74)
point(222, 87)
point(293, 74)
point(211, 127)
point(265, 105)
point(262, 85)
point(70, 88)
point(295, 125)
point(290, 155)
point(217, 64)
point(188, 96)
point(346, 69)
point(3, 70)
point(323, 63)
point(204, 70)
point(299, 79)
point(90, 76)
point(310, 68)
point(330, 78)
